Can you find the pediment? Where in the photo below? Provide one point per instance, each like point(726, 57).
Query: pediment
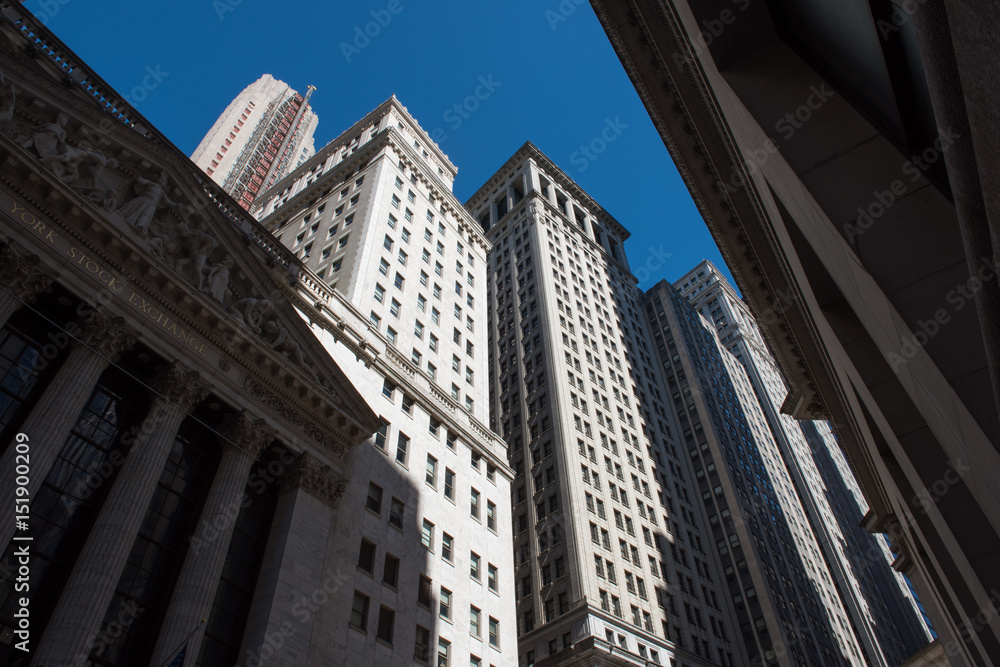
point(139, 204)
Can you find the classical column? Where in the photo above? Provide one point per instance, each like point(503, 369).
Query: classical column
point(191, 603)
point(81, 608)
point(295, 567)
point(22, 278)
point(102, 340)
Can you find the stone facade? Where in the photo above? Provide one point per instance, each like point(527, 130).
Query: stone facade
point(188, 435)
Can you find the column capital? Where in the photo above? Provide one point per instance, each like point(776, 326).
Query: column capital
point(179, 384)
point(23, 273)
point(110, 336)
point(318, 479)
point(248, 432)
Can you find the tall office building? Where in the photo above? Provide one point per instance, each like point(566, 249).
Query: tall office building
point(265, 133)
point(884, 615)
point(397, 275)
point(844, 159)
point(612, 565)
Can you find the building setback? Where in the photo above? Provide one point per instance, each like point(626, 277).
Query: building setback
point(396, 284)
point(265, 133)
point(611, 560)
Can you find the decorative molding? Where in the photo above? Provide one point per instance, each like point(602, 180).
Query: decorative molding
point(23, 273)
point(247, 432)
point(319, 480)
point(179, 385)
point(328, 438)
point(110, 336)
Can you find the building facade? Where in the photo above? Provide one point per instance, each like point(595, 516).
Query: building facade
point(611, 563)
point(883, 613)
point(265, 133)
point(843, 159)
point(175, 438)
point(397, 276)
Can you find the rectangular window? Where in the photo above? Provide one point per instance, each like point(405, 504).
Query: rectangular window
point(421, 645)
point(474, 561)
point(427, 535)
point(474, 504)
point(374, 502)
point(474, 620)
point(359, 611)
point(447, 546)
point(396, 511)
point(431, 476)
point(386, 621)
point(402, 444)
point(494, 632)
point(444, 603)
point(449, 483)
point(390, 571)
point(493, 577)
point(366, 556)
point(444, 653)
point(491, 515)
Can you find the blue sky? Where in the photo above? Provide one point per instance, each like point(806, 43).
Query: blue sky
point(554, 76)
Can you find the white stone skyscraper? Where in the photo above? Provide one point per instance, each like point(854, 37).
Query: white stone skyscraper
point(884, 615)
point(612, 567)
point(265, 133)
point(397, 286)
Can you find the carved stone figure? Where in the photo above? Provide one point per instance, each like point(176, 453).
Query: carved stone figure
point(150, 196)
point(50, 139)
point(277, 337)
point(217, 281)
point(103, 198)
point(250, 312)
point(189, 251)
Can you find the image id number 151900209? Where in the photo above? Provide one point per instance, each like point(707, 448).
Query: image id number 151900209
point(22, 550)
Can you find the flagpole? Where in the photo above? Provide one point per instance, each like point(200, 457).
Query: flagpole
point(173, 654)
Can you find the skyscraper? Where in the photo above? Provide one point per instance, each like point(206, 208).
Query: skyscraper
point(396, 290)
point(265, 133)
point(883, 614)
point(843, 158)
point(611, 562)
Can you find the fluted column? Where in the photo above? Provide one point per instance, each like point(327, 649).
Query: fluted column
point(102, 340)
point(22, 277)
point(91, 586)
point(294, 565)
point(191, 603)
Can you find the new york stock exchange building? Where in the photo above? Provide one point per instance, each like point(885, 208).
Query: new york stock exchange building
point(175, 437)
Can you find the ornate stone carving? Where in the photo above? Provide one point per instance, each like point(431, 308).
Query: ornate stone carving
point(250, 312)
point(149, 197)
point(277, 337)
point(79, 166)
point(247, 432)
point(22, 273)
point(332, 442)
point(188, 251)
point(318, 479)
point(108, 335)
point(217, 281)
point(179, 385)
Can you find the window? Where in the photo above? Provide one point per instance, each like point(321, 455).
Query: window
point(491, 518)
point(342, 243)
point(387, 243)
point(444, 653)
point(390, 571)
point(418, 330)
point(444, 603)
point(494, 632)
point(421, 645)
point(449, 483)
point(399, 280)
point(447, 545)
point(390, 333)
point(474, 562)
point(475, 615)
point(396, 511)
point(424, 592)
point(427, 535)
point(431, 476)
point(379, 293)
point(374, 502)
point(402, 443)
point(386, 621)
point(474, 504)
point(381, 435)
point(432, 343)
point(492, 577)
point(374, 319)
point(394, 308)
point(366, 556)
point(359, 611)
point(383, 267)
